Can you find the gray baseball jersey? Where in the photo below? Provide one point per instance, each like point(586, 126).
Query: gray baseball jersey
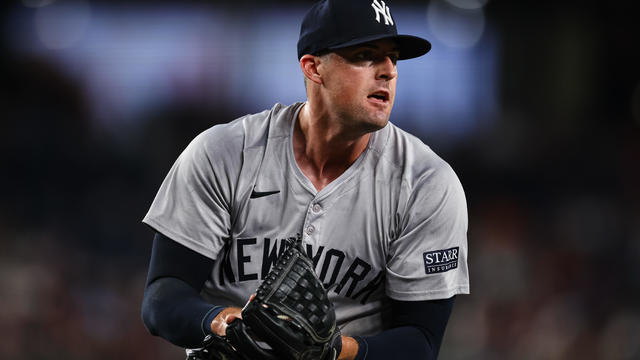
point(392, 226)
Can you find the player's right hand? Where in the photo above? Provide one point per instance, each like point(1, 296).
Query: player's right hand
point(220, 322)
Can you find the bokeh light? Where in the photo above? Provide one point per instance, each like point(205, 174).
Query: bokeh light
point(62, 24)
point(458, 27)
point(468, 4)
point(129, 62)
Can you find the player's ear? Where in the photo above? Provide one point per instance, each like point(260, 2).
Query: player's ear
point(309, 65)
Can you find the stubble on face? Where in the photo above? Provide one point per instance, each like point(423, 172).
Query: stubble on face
point(360, 85)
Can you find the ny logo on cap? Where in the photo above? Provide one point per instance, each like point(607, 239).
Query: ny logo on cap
point(384, 10)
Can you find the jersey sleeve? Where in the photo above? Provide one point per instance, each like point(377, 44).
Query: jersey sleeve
point(428, 259)
point(194, 202)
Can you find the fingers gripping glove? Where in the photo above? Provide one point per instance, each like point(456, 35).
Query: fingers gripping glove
point(290, 317)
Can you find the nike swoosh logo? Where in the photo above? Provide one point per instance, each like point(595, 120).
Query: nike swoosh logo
point(259, 194)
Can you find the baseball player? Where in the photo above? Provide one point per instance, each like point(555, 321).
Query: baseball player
point(382, 217)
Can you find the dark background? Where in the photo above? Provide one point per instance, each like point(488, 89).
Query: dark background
point(552, 183)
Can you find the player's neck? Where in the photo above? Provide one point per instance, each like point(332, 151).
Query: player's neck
point(323, 152)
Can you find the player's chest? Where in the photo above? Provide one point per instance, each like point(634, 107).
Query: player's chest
point(358, 215)
point(345, 232)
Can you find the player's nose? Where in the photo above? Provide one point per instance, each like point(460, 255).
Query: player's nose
point(386, 69)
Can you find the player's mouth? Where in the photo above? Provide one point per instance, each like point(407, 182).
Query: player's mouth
point(379, 97)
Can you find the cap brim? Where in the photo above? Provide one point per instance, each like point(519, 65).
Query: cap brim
point(408, 46)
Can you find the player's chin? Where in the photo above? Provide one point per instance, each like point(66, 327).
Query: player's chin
point(376, 121)
point(379, 116)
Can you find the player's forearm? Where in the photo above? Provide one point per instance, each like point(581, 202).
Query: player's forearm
point(172, 307)
point(175, 311)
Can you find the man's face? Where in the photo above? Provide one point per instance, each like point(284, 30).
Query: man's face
point(359, 84)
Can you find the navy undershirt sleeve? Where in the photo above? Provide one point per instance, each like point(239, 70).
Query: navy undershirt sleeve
point(172, 307)
point(417, 331)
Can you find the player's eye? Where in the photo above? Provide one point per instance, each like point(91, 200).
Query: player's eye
point(365, 55)
point(394, 58)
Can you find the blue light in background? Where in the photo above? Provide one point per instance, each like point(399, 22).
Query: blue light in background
point(132, 59)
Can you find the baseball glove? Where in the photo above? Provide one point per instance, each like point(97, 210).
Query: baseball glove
point(290, 317)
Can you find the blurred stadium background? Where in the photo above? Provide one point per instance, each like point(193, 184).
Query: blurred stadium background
point(535, 104)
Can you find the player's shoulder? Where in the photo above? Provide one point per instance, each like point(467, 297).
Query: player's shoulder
point(414, 160)
point(235, 133)
point(244, 132)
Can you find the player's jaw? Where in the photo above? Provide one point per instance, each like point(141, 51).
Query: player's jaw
point(379, 102)
point(365, 109)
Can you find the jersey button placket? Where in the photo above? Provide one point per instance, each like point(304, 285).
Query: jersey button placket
point(314, 214)
point(316, 208)
point(310, 230)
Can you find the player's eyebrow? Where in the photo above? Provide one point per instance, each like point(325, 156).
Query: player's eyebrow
point(377, 47)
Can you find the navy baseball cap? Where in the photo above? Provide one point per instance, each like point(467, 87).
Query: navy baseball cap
point(335, 24)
